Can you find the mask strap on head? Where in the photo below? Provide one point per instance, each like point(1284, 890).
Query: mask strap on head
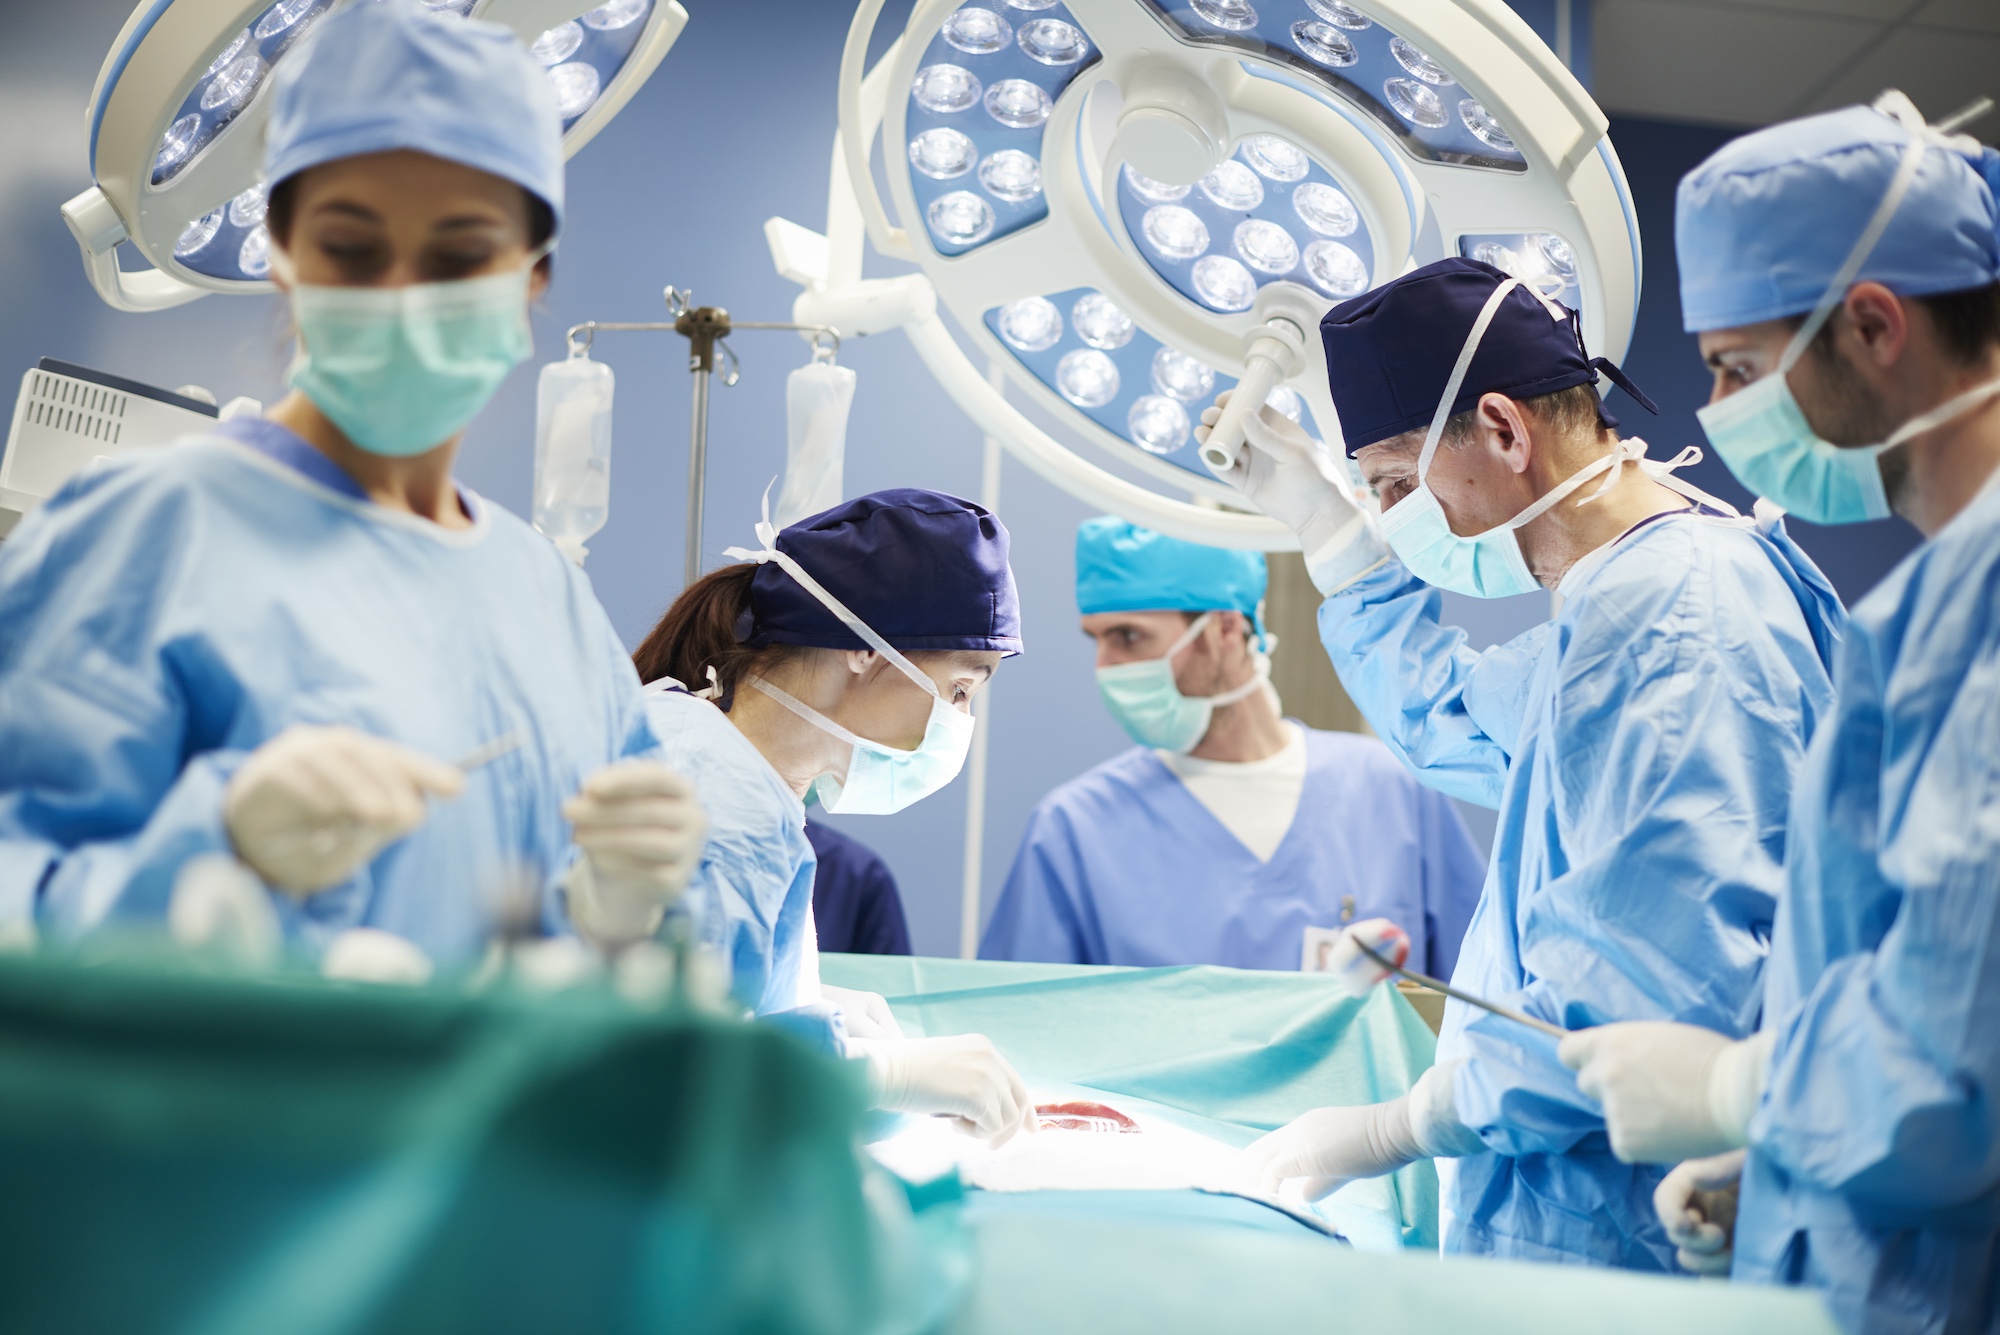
point(1261, 667)
point(1458, 372)
point(1900, 109)
point(1187, 636)
point(767, 534)
point(809, 714)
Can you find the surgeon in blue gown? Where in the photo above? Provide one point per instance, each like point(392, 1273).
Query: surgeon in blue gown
point(1639, 747)
point(1230, 834)
point(271, 641)
point(1867, 1098)
point(840, 659)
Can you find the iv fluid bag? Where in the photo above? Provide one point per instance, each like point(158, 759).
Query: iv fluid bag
point(817, 397)
point(573, 452)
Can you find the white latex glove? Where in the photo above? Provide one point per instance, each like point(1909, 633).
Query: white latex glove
point(313, 805)
point(962, 1077)
point(867, 1014)
point(1355, 972)
point(1697, 1204)
point(641, 832)
point(1670, 1091)
point(1330, 1147)
point(1284, 474)
point(369, 955)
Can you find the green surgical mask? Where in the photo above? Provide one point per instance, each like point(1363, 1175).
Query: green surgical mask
point(401, 370)
point(1148, 704)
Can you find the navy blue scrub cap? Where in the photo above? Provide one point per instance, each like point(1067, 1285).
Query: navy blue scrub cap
point(1390, 352)
point(923, 570)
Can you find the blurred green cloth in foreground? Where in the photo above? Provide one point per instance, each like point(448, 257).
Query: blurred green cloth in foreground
point(213, 1155)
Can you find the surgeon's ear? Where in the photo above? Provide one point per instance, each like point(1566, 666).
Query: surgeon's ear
point(1503, 428)
point(1876, 326)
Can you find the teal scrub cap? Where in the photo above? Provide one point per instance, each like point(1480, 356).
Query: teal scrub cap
point(391, 74)
point(1121, 567)
point(1763, 227)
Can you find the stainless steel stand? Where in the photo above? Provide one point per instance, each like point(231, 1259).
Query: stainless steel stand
point(707, 330)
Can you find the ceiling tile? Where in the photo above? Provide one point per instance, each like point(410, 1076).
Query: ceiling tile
point(1941, 71)
point(1973, 15)
point(1730, 65)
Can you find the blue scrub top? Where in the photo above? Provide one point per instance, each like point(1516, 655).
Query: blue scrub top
point(1873, 1173)
point(1641, 749)
point(752, 892)
point(1123, 865)
point(166, 614)
point(855, 903)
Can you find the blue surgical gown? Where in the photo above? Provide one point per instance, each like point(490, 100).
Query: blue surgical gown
point(1123, 865)
point(1640, 749)
point(752, 894)
point(1874, 1173)
point(163, 616)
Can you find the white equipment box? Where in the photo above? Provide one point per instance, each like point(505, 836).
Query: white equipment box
point(69, 417)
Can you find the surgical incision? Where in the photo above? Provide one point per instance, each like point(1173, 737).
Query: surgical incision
point(1083, 1115)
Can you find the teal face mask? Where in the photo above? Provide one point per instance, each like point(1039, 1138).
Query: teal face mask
point(1489, 564)
point(881, 779)
point(401, 370)
point(1761, 432)
point(1148, 704)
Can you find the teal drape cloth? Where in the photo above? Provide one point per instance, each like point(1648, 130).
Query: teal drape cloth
point(216, 1155)
point(1230, 1053)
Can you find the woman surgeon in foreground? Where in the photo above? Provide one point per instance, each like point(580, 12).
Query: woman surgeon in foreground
point(275, 640)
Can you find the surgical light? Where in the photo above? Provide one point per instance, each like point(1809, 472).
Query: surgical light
point(1212, 176)
point(1087, 378)
point(1032, 324)
point(176, 125)
point(1324, 44)
point(942, 153)
point(1018, 104)
point(978, 32)
point(1098, 322)
point(1011, 175)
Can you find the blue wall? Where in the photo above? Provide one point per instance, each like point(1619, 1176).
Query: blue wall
point(735, 127)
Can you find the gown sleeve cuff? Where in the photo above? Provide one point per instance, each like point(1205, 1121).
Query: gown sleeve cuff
point(1736, 1084)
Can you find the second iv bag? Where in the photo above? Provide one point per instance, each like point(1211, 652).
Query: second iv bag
point(817, 397)
point(573, 452)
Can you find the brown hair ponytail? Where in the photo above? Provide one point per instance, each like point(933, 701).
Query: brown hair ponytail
point(700, 631)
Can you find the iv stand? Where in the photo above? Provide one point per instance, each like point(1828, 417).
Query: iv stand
point(706, 328)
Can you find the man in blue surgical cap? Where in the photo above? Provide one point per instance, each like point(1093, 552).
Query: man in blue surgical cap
point(1639, 746)
point(1843, 275)
point(1229, 834)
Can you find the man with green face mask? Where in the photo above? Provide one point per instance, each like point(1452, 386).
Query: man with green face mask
point(1230, 834)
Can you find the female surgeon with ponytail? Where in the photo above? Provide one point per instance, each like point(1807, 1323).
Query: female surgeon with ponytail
point(840, 659)
point(276, 640)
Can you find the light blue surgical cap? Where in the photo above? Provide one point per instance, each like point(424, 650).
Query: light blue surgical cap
point(1763, 226)
point(379, 76)
point(1121, 567)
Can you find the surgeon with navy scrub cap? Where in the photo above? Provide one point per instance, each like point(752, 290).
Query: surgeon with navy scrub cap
point(273, 642)
point(1639, 746)
point(1842, 276)
point(837, 659)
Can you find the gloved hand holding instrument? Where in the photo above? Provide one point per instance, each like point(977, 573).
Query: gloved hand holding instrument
point(313, 805)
